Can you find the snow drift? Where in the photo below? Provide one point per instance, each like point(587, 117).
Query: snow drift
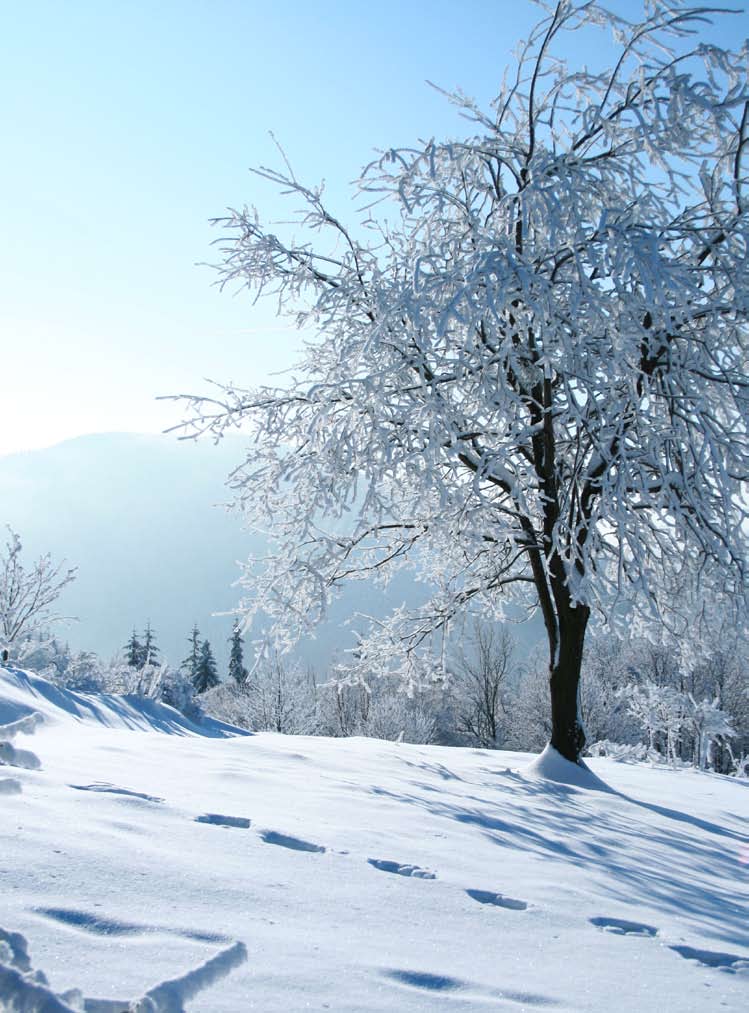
point(354, 871)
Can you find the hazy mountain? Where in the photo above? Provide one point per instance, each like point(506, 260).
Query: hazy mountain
point(139, 516)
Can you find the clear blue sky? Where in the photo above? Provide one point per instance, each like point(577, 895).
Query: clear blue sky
point(126, 126)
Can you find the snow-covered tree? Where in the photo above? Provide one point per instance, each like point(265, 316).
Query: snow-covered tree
point(190, 665)
point(283, 697)
point(527, 364)
point(662, 711)
point(134, 651)
point(528, 707)
point(150, 652)
point(610, 666)
point(237, 671)
point(206, 675)
point(28, 595)
point(480, 669)
point(710, 724)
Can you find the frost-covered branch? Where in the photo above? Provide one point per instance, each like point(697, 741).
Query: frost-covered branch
point(529, 372)
point(28, 596)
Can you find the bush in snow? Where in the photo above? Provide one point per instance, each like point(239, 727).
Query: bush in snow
point(283, 697)
point(229, 702)
point(666, 714)
point(620, 752)
point(380, 709)
point(276, 697)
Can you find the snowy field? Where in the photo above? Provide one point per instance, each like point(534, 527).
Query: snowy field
point(362, 875)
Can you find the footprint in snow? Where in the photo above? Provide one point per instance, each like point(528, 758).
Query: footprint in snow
point(401, 870)
point(467, 991)
point(730, 962)
point(620, 927)
point(111, 789)
point(497, 899)
point(219, 820)
point(101, 926)
point(293, 843)
point(430, 982)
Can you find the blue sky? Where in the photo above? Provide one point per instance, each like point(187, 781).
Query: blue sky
point(127, 126)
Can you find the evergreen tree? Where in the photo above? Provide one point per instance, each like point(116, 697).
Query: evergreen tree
point(150, 652)
point(206, 676)
point(237, 671)
point(190, 665)
point(134, 651)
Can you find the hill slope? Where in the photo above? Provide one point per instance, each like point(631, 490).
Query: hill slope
point(364, 875)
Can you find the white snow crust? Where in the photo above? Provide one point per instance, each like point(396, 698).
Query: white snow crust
point(360, 875)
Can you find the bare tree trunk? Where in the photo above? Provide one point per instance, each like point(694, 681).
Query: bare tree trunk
point(567, 734)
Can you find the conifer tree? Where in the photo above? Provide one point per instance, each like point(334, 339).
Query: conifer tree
point(134, 651)
point(206, 676)
point(190, 665)
point(150, 652)
point(237, 671)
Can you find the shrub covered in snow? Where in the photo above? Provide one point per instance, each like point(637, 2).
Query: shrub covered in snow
point(620, 752)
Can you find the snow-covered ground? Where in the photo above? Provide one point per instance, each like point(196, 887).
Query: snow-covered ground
point(363, 875)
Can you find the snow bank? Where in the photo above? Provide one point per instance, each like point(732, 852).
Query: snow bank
point(23, 693)
point(17, 757)
point(552, 766)
point(11, 756)
point(23, 726)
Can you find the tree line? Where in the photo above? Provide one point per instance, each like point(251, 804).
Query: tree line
point(679, 699)
point(200, 664)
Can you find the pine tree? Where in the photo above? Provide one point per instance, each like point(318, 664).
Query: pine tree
point(206, 676)
point(237, 671)
point(134, 651)
point(150, 652)
point(190, 665)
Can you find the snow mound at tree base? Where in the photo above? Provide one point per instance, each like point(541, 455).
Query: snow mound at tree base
point(552, 766)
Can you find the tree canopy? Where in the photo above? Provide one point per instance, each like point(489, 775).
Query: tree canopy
point(527, 374)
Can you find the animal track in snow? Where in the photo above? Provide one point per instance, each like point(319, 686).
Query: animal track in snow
point(730, 962)
point(112, 789)
point(401, 870)
point(219, 820)
point(620, 927)
point(497, 899)
point(287, 841)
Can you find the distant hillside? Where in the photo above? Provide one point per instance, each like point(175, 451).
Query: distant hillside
point(138, 515)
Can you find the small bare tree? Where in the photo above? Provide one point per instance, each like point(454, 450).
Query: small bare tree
point(28, 596)
point(480, 671)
